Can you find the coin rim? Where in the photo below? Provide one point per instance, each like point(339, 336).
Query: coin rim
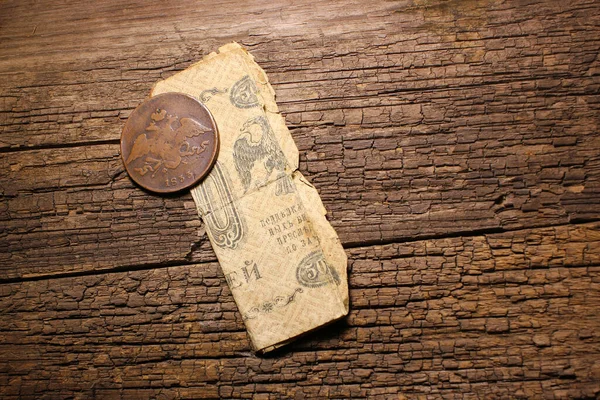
point(213, 156)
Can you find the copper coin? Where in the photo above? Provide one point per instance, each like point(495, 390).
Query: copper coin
point(169, 143)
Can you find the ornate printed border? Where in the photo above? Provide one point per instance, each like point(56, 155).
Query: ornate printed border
point(268, 306)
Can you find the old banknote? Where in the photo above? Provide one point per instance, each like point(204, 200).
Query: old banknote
point(282, 259)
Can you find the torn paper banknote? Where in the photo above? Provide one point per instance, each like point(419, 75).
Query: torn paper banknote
point(282, 259)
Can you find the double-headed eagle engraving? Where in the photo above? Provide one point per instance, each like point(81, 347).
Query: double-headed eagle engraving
point(165, 147)
point(257, 143)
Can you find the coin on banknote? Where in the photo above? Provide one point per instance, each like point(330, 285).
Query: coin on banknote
point(169, 143)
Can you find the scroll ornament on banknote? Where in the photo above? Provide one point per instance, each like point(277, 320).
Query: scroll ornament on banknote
point(280, 256)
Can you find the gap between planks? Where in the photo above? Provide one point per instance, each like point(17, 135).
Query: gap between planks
point(347, 246)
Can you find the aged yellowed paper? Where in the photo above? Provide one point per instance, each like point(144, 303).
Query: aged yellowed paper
point(282, 259)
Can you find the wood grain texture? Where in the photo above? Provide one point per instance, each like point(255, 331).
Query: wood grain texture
point(454, 143)
point(499, 315)
point(429, 130)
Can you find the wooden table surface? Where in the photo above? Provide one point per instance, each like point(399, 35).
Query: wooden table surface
point(454, 143)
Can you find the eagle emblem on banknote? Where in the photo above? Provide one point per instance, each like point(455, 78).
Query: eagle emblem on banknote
point(257, 143)
point(164, 147)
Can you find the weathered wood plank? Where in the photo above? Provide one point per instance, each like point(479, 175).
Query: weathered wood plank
point(74, 209)
point(499, 315)
point(70, 210)
point(504, 59)
point(422, 120)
